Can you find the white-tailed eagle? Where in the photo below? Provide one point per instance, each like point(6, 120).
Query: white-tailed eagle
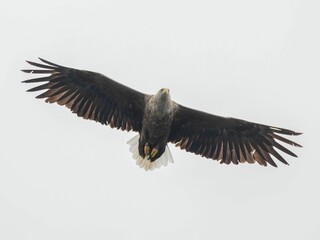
point(159, 120)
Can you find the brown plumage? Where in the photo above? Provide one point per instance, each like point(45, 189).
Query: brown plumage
point(228, 139)
point(93, 96)
point(90, 95)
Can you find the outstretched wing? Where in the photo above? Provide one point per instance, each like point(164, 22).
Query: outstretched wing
point(228, 139)
point(90, 95)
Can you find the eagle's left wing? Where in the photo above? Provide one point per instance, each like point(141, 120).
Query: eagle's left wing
point(228, 139)
point(90, 95)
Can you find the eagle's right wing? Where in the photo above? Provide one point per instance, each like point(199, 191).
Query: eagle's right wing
point(90, 95)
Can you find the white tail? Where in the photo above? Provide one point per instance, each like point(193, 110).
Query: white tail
point(165, 158)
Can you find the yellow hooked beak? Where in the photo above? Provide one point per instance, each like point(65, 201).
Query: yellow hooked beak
point(165, 90)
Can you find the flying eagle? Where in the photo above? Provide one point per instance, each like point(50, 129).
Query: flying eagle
point(159, 120)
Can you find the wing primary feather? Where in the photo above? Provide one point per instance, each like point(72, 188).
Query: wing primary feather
point(276, 154)
point(50, 78)
point(72, 98)
point(37, 71)
point(60, 78)
point(285, 140)
point(66, 95)
point(45, 94)
point(41, 87)
point(258, 158)
point(50, 63)
point(62, 89)
point(41, 65)
point(36, 80)
point(284, 131)
point(254, 145)
point(258, 151)
point(283, 149)
point(51, 92)
point(54, 98)
point(57, 85)
point(266, 155)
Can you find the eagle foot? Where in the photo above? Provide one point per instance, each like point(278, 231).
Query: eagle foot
point(147, 150)
point(154, 152)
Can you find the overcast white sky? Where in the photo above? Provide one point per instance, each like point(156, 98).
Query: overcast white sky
point(65, 178)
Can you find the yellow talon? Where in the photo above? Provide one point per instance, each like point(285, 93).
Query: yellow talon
point(147, 149)
point(154, 152)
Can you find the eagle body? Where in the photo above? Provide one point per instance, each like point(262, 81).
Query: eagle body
point(158, 120)
point(156, 125)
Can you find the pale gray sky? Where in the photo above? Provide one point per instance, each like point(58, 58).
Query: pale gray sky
point(65, 178)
